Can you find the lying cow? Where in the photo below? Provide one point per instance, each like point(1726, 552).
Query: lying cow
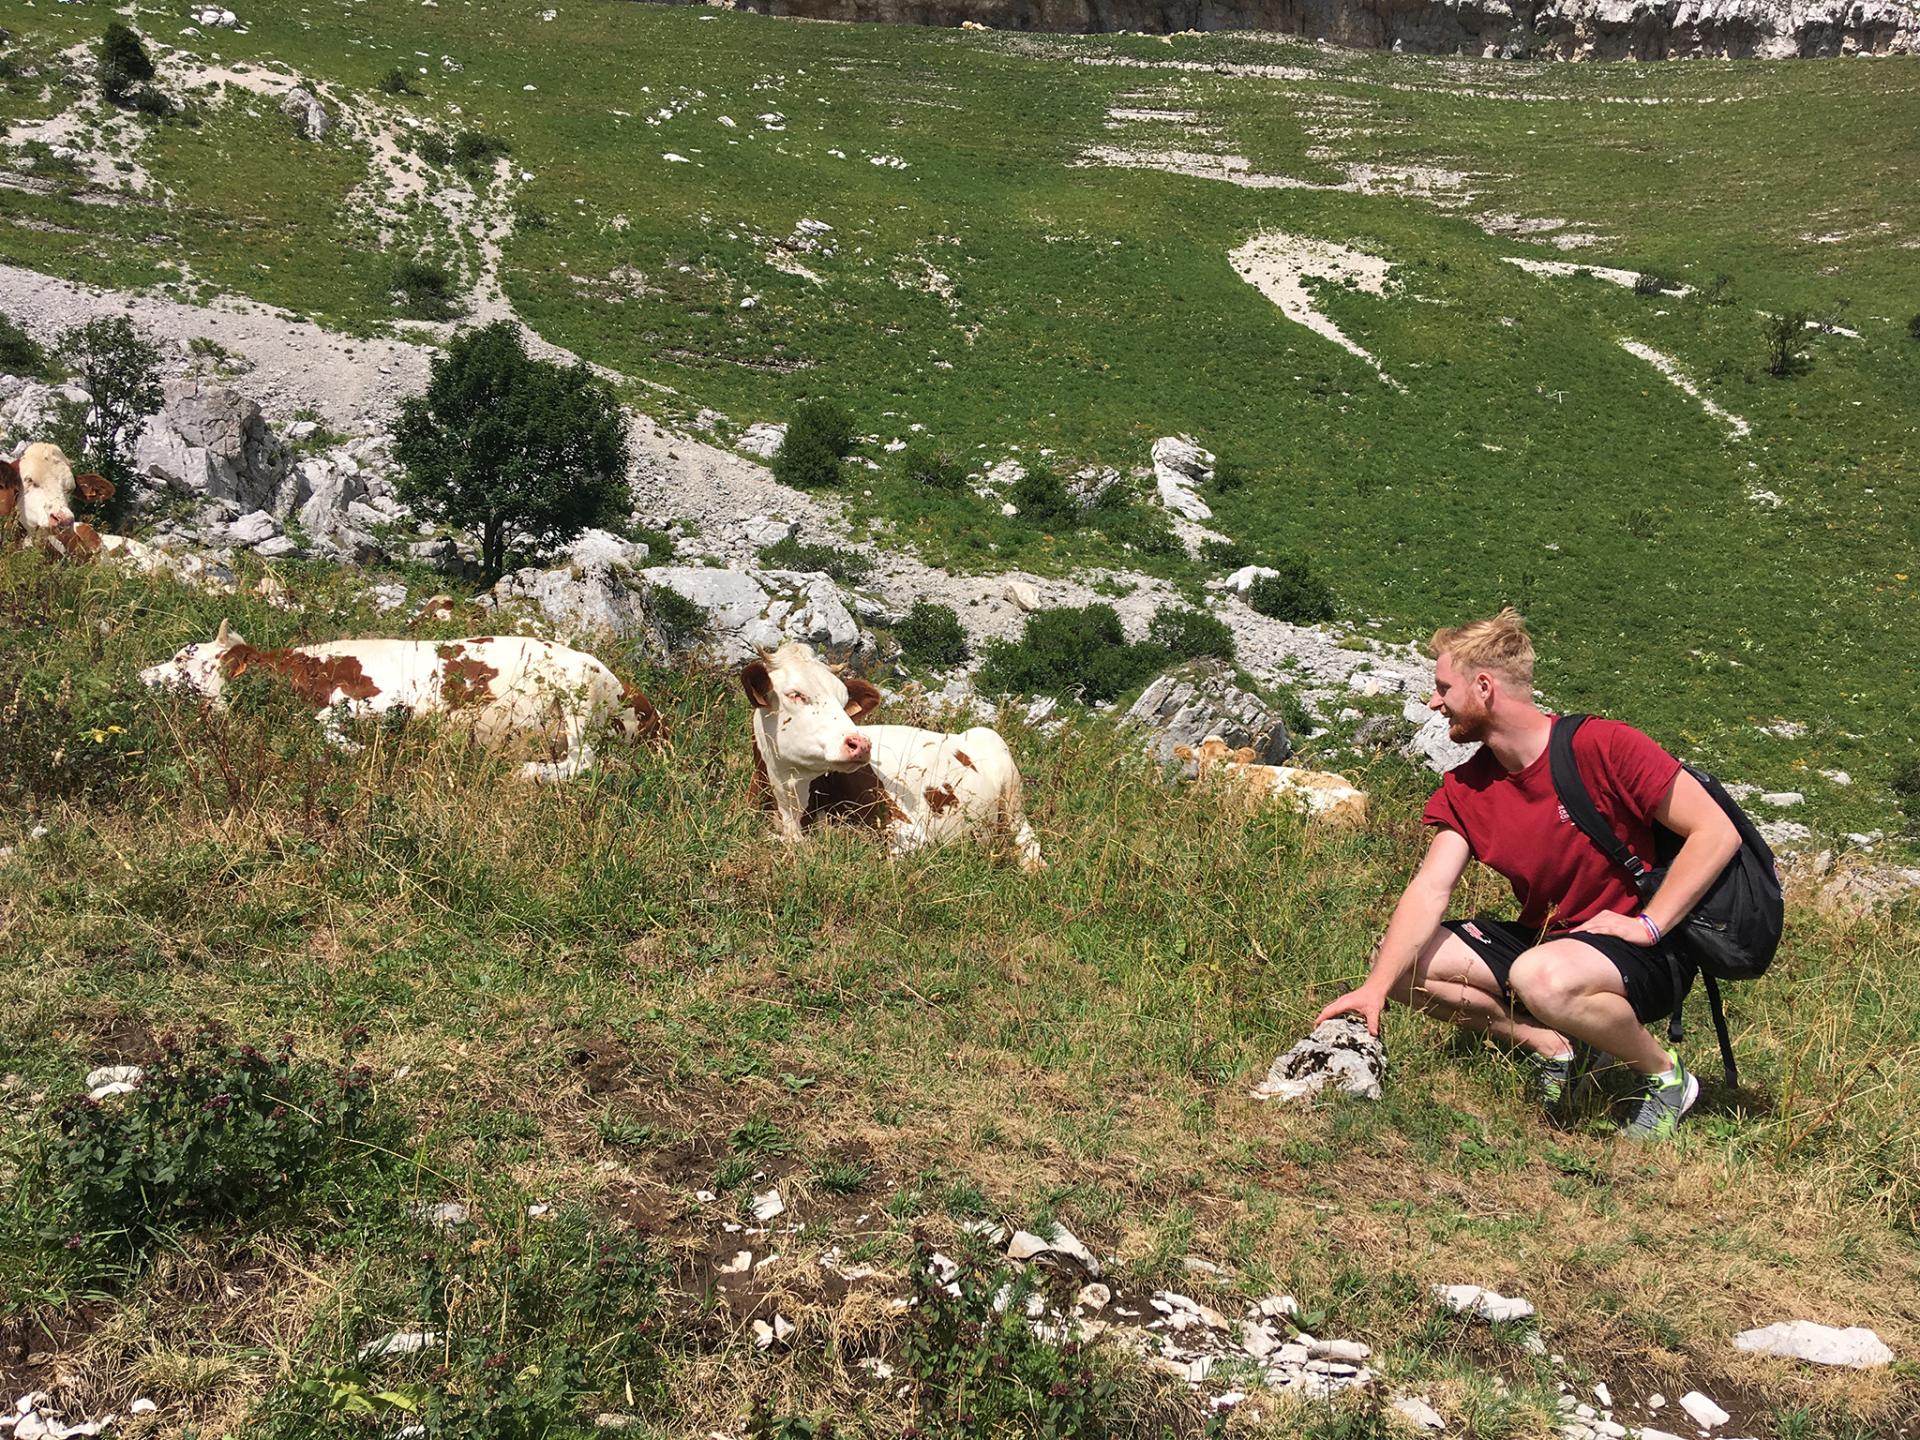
point(920, 786)
point(1322, 795)
point(500, 687)
point(38, 490)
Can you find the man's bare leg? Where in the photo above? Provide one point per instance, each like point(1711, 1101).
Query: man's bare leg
point(1449, 981)
point(1572, 986)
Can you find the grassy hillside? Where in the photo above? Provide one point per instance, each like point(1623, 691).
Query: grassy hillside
point(1000, 295)
point(606, 998)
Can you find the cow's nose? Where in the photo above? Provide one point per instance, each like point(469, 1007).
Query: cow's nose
point(857, 747)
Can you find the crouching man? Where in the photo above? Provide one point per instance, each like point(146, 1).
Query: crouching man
point(1585, 963)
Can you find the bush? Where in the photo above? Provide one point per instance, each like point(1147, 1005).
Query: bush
point(1229, 476)
point(1145, 528)
point(431, 146)
point(124, 62)
point(151, 102)
point(1192, 635)
point(20, 353)
point(1648, 283)
point(1905, 786)
point(513, 450)
point(425, 290)
point(213, 1131)
point(849, 567)
point(474, 151)
point(818, 437)
point(1913, 328)
point(680, 621)
point(1044, 501)
point(120, 369)
point(1785, 338)
point(1719, 290)
point(1295, 594)
point(1067, 653)
point(931, 635)
point(1225, 554)
point(397, 82)
point(935, 469)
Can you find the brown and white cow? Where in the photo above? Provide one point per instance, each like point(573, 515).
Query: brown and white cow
point(38, 490)
point(919, 786)
point(500, 687)
point(1321, 794)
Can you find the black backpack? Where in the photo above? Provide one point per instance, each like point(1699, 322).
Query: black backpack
point(1734, 930)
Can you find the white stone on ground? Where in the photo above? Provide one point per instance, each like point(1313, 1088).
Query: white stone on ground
point(1856, 1346)
point(1705, 1414)
point(1481, 1303)
point(1339, 1053)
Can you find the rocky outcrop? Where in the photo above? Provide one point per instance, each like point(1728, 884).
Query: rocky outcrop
point(1553, 29)
point(1190, 702)
point(210, 442)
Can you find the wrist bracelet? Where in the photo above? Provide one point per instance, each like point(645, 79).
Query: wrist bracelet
point(1652, 929)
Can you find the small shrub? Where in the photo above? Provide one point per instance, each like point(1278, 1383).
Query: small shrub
point(1044, 501)
point(1913, 328)
point(1229, 476)
point(154, 104)
point(931, 635)
point(1649, 283)
point(213, 1131)
point(1905, 786)
point(1719, 290)
point(474, 151)
point(20, 353)
point(530, 217)
point(849, 567)
point(978, 1370)
point(1145, 528)
point(680, 621)
point(425, 290)
point(818, 438)
point(1785, 339)
point(1225, 554)
point(1192, 635)
point(124, 62)
point(431, 146)
point(1069, 652)
point(1295, 594)
point(935, 469)
point(120, 369)
point(397, 81)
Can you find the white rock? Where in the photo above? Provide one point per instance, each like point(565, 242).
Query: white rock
point(1277, 1305)
point(740, 1262)
point(1482, 1304)
point(1416, 1409)
point(1350, 1352)
point(1092, 1296)
point(769, 1206)
point(1603, 1395)
point(762, 439)
point(676, 159)
point(252, 528)
point(447, 1215)
point(399, 1342)
point(1021, 595)
point(1856, 1346)
point(1705, 1414)
point(1179, 465)
point(110, 1080)
point(1339, 1053)
point(143, 1406)
point(1782, 798)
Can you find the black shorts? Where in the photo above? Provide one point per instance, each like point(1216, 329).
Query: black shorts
point(1646, 970)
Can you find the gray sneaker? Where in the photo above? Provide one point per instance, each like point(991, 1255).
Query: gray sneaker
point(1552, 1083)
point(1659, 1106)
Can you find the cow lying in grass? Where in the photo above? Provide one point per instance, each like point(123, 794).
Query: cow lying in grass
point(501, 688)
point(1322, 795)
point(37, 491)
point(919, 786)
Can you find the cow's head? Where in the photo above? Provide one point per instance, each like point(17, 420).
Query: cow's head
point(48, 485)
point(807, 713)
point(197, 668)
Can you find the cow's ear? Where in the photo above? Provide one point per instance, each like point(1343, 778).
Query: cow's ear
point(94, 487)
point(862, 698)
point(758, 684)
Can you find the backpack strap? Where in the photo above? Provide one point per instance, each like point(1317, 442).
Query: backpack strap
point(1731, 1071)
point(1579, 803)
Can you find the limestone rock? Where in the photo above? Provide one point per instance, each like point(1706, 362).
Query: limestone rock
point(1856, 1346)
point(209, 440)
point(1022, 596)
point(310, 118)
point(1339, 1053)
point(1481, 1303)
point(762, 440)
point(1201, 698)
point(1180, 467)
point(597, 589)
point(1431, 742)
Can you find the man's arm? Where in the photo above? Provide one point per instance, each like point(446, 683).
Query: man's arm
point(1710, 841)
point(1423, 904)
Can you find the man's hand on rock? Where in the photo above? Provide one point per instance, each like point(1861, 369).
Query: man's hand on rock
point(1364, 1002)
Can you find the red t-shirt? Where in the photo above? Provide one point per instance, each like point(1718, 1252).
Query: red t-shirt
point(1514, 822)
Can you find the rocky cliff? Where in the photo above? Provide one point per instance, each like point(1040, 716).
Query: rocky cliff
point(1554, 29)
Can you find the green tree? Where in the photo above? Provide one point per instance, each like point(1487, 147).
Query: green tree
point(818, 437)
point(124, 62)
point(120, 369)
point(513, 450)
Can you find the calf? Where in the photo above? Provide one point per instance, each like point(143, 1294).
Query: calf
point(920, 786)
point(38, 490)
point(500, 687)
point(1322, 795)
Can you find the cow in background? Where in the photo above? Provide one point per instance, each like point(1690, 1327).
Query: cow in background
point(1322, 795)
point(919, 786)
point(38, 490)
point(499, 687)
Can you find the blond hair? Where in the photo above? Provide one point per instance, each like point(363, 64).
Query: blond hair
point(1500, 644)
